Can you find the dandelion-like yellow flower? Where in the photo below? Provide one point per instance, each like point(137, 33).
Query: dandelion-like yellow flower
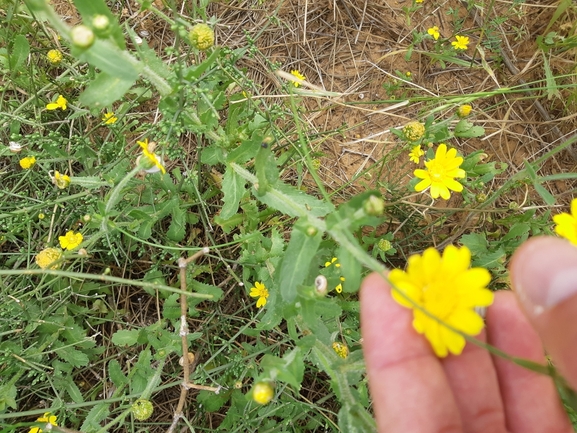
point(262, 393)
point(415, 154)
point(47, 418)
point(201, 36)
point(414, 131)
point(341, 349)
point(61, 180)
point(566, 224)
point(70, 240)
point(440, 173)
point(447, 291)
point(60, 103)
point(47, 257)
point(28, 162)
point(332, 261)
point(152, 159)
point(109, 118)
point(297, 74)
point(260, 292)
point(434, 32)
point(461, 42)
point(464, 111)
point(54, 56)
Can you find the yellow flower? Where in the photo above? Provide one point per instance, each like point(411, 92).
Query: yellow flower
point(60, 180)
point(447, 291)
point(441, 172)
point(414, 131)
point(60, 103)
point(47, 256)
point(70, 240)
point(461, 42)
point(333, 260)
point(28, 162)
point(298, 75)
point(152, 159)
point(54, 56)
point(47, 418)
point(415, 154)
point(341, 349)
point(464, 110)
point(566, 224)
point(260, 292)
point(109, 118)
point(434, 32)
point(262, 393)
point(418, 1)
point(339, 287)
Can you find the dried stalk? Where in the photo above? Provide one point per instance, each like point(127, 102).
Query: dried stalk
point(183, 332)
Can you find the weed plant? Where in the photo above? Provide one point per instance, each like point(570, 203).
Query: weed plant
point(173, 254)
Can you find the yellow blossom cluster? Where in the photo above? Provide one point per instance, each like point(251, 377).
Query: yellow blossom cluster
point(46, 258)
point(46, 418)
point(54, 56)
point(27, 163)
point(341, 349)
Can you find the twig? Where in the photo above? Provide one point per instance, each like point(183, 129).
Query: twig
point(186, 385)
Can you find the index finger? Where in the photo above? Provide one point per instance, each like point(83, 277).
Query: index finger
point(408, 385)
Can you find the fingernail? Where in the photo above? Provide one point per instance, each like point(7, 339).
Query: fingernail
point(544, 273)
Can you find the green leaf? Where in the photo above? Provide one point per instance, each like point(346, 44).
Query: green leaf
point(545, 195)
point(104, 90)
point(171, 307)
point(552, 89)
point(7, 397)
point(212, 402)
point(177, 229)
point(350, 270)
point(289, 369)
point(20, 52)
point(466, 129)
point(73, 356)
point(233, 188)
point(111, 60)
point(206, 289)
point(476, 242)
point(490, 260)
point(115, 374)
point(297, 260)
point(125, 337)
point(266, 168)
point(88, 182)
point(96, 415)
point(291, 201)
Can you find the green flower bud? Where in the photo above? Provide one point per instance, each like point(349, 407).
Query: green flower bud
point(481, 198)
point(201, 37)
point(100, 22)
point(82, 36)
point(384, 245)
point(142, 409)
point(311, 231)
point(374, 206)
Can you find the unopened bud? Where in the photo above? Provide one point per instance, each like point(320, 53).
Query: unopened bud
point(201, 37)
point(142, 409)
point(100, 22)
point(374, 206)
point(82, 36)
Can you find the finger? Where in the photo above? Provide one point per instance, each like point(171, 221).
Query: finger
point(544, 276)
point(530, 399)
point(475, 385)
point(408, 385)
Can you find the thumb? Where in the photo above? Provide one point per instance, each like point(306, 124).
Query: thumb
point(544, 277)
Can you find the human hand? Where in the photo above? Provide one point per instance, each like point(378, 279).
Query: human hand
point(414, 391)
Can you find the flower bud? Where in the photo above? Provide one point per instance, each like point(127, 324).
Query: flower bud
point(311, 231)
point(142, 409)
point(82, 36)
point(54, 56)
point(100, 22)
point(201, 37)
point(374, 206)
point(262, 393)
point(414, 131)
point(464, 111)
point(384, 245)
point(341, 349)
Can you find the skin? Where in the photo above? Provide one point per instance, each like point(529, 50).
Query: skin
point(414, 391)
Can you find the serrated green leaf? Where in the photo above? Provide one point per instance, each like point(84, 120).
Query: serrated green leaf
point(206, 289)
point(96, 415)
point(177, 229)
point(297, 259)
point(20, 51)
point(111, 60)
point(476, 242)
point(490, 260)
point(125, 337)
point(73, 356)
point(8, 397)
point(115, 373)
point(104, 90)
point(233, 188)
point(291, 201)
point(171, 307)
point(466, 129)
